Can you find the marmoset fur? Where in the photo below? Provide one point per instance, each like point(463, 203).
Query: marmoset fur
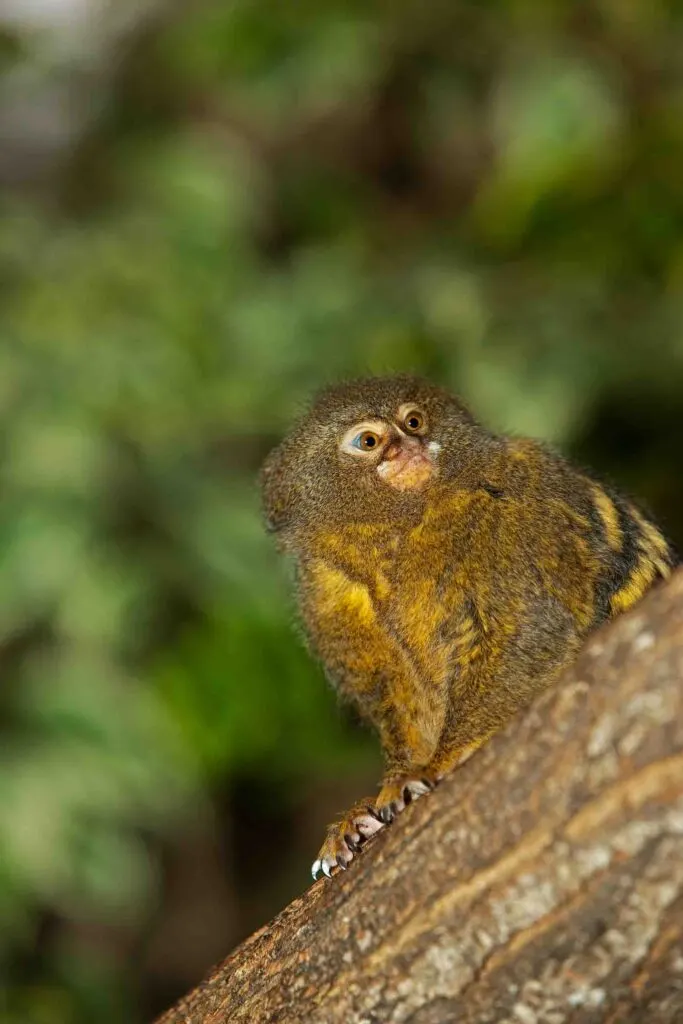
point(445, 574)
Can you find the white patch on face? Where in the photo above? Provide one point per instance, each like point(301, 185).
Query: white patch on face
point(434, 447)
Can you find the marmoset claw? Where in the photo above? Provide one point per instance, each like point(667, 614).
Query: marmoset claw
point(397, 793)
point(345, 838)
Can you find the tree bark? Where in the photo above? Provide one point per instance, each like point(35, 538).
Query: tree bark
point(541, 882)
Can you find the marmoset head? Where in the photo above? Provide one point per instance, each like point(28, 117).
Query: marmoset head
point(367, 450)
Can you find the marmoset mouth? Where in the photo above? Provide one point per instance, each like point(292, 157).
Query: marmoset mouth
point(406, 465)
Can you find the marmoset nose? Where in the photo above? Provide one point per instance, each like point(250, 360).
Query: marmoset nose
point(402, 446)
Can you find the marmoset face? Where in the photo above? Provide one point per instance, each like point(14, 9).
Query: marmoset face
point(397, 450)
point(367, 450)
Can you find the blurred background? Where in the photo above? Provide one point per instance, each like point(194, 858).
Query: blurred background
point(207, 210)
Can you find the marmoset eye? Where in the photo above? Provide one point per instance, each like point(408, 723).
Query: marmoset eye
point(366, 441)
point(414, 421)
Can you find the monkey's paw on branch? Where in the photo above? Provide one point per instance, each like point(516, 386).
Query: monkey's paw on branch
point(401, 790)
point(344, 838)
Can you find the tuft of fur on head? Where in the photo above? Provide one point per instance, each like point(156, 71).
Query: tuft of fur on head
point(305, 481)
point(380, 397)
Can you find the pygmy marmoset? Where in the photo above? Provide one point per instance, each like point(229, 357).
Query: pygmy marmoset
point(444, 574)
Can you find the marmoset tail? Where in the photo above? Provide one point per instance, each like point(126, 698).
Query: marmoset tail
point(445, 575)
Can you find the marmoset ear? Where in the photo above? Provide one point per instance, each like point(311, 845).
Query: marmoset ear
point(278, 490)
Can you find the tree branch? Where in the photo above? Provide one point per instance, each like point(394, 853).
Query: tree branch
point(541, 882)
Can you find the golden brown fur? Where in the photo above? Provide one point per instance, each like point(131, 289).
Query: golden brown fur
point(440, 612)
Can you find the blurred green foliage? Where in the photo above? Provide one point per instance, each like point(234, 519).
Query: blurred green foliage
point(262, 199)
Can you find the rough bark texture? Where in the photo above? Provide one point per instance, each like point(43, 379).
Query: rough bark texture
point(542, 882)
